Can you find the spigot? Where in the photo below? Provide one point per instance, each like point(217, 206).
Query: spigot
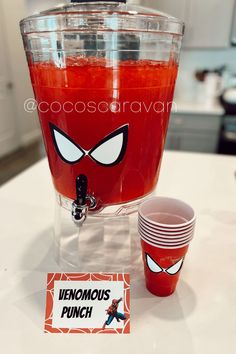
point(83, 202)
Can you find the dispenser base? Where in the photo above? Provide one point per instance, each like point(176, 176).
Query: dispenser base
point(103, 243)
point(100, 245)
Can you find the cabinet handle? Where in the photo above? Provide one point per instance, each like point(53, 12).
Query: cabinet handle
point(176, 143)
point(9, 85)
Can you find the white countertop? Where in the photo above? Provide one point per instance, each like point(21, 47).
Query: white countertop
point(195, 107)
point(200, 318)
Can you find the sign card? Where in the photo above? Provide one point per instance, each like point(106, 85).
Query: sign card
point(87, 303)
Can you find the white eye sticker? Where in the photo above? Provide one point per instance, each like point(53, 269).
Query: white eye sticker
point(110, 151)
point(66, 148)
point(175, 268)
point(152, 265)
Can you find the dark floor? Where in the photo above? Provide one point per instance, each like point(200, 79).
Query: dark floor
point(18, 161)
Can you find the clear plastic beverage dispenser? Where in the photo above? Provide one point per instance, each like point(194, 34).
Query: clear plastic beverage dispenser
point(103, 74)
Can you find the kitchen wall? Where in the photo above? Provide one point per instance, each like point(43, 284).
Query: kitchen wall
point(192, 60)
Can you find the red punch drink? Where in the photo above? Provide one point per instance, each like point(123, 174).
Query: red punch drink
point(106, 121)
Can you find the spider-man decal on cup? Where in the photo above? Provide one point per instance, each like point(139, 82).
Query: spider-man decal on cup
point(162, 267)
point(164, 248)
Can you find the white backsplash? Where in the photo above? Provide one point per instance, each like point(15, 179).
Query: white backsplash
point(188, 88)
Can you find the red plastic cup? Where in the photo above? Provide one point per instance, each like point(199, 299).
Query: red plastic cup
point(167, 237)
point(162, 267)
point(167, 213)
point(162, 242)
point(166, 227)
point(165, 230)
point(158, 244)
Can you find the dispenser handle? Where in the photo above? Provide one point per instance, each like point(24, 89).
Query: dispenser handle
point(83, 201)
point(83, 1)
point(81, 189)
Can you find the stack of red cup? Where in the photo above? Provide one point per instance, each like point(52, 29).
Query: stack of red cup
point(166, 227)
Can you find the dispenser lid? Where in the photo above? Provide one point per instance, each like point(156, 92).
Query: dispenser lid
point(106, 15)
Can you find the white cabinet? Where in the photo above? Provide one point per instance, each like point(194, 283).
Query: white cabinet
point(233, 37)
point(34, 6)
point(9, 139)
point(176, 8)
point(25, 123)
point(197, 133)
point(208, 22)
point(193, 142)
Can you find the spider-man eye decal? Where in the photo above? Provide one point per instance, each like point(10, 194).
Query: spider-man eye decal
point(110, 151)
point(152, 265)
point(155, 268)
point(67, 150)
point(175, 268)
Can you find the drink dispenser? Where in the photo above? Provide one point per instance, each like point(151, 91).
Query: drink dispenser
point(103, 74)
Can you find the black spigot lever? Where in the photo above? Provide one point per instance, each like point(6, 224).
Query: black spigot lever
point(83, 201)
point(81, 189)
point(84, 1)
